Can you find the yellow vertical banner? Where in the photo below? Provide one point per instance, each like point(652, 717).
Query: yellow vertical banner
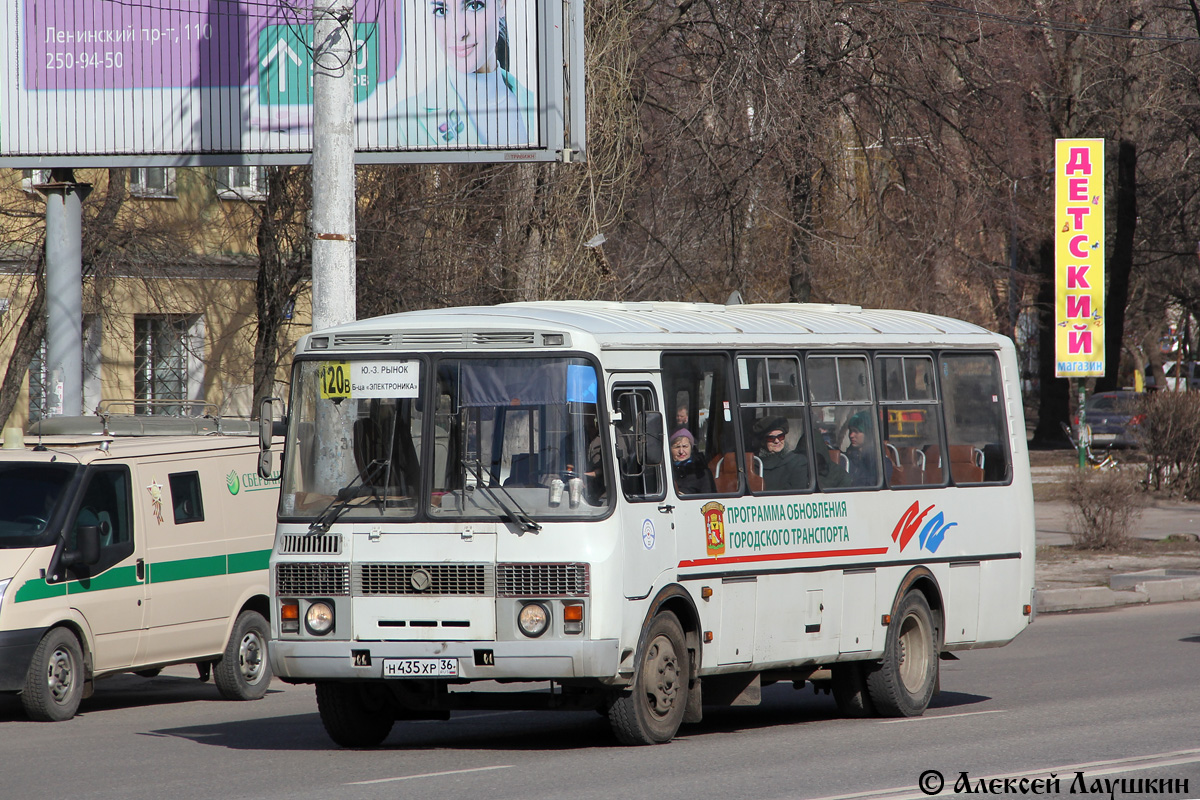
point(1079, 258)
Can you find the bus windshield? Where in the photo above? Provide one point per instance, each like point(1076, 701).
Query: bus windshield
point(509, 438)
point(29, 496)
point(517, 432)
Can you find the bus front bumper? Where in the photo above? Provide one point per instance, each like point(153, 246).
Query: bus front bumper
point(301, 661)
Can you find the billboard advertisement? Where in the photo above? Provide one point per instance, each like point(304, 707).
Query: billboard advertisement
point(175, 82)
point(1079, 258)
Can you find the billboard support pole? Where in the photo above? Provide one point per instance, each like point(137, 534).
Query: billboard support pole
point(333, 231)
point(64, 291)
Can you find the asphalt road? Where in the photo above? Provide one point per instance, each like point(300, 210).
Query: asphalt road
point(1111, 695)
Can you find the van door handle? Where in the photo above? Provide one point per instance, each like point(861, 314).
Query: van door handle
point(666, 508)
point(141, 569)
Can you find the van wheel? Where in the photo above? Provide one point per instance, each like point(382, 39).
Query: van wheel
point(351, 717)
point(54, 683)
point(903, 683)
point(244, 673)
point(651, 710)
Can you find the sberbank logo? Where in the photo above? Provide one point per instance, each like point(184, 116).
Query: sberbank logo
point(232, 482)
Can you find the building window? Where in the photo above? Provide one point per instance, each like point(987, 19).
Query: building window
point(152, 181)
point(167, 364)
point(242, 183)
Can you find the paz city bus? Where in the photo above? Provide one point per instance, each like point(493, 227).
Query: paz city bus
point(488, 494)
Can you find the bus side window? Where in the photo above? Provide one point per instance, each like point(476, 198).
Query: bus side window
point(700, 381)
point(774, 424)
point(909, 412)
point(641, 478)
point(976, 427)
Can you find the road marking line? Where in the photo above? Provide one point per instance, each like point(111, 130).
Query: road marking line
point(942, 716)
point(429, 775)
point(1065, 773)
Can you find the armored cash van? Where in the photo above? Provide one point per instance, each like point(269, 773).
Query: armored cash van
point(128, 544)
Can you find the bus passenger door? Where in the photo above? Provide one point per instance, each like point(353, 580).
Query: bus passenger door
point(646, 520)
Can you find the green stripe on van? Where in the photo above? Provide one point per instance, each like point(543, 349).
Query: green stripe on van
point(162, 572)
point(185, 568)
point(248, 562)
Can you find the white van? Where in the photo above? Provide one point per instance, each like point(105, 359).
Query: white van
point(128, 544)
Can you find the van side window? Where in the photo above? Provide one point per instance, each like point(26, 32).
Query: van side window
point(912, 438)
point(185, 497)
point(106, 504)
point(976, 424)
point(700, 382)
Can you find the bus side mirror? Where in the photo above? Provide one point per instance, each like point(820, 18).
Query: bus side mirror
point(266, 423)
point(652, 424)
point(266, 430)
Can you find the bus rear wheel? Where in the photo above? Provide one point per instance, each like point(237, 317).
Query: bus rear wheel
point(651, 710)
point(903, 683)
point(351, 717)
point(850, 690)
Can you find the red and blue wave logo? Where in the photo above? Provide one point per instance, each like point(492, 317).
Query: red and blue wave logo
point(931, 535)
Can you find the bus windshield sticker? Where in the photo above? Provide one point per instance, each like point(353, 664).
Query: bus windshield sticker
point(368, 380)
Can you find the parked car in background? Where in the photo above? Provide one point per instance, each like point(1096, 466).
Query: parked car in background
point(1172, 370)
point(1113, 418)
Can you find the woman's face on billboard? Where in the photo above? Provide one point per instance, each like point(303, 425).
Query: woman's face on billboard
point(467, 31)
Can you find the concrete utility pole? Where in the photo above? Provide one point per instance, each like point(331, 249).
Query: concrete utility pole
point(64, 291)
point(333, 261)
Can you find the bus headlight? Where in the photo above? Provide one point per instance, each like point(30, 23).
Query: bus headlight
point(533, 619)
point(319, 618)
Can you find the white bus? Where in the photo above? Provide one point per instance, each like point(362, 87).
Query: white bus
point(481, 508)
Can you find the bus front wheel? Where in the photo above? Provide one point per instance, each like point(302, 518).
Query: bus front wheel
point(351, 717)
point(651, 709)
point(903, 683)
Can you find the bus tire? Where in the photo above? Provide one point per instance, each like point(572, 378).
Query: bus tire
point(349, 716)
point(651, 709)
point(244, 671)
point(903, 683)
point(850, 691)
point(54, 683)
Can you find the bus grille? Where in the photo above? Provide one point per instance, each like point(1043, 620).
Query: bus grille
point(296, 579)
point(325, 544)
point(542, 580)
point(430, 579)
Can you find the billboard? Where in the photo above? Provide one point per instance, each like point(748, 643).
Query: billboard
point(1079, 258)
point(177, 82)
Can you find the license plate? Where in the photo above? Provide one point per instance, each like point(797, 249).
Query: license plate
point(420, 668)
point(1104, 437)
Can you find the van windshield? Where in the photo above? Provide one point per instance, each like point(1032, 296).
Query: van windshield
point(29, 496)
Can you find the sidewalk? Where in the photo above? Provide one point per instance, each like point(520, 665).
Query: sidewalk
point(1165, 567)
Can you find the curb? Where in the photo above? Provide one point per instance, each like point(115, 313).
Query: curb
point(1172, 590)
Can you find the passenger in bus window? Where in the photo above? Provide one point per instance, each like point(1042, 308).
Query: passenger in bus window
point(692, 475)
point(783, 467)
point(862, 454)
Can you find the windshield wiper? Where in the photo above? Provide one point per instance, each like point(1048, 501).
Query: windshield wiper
point(341, 500)
point(517, 515)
